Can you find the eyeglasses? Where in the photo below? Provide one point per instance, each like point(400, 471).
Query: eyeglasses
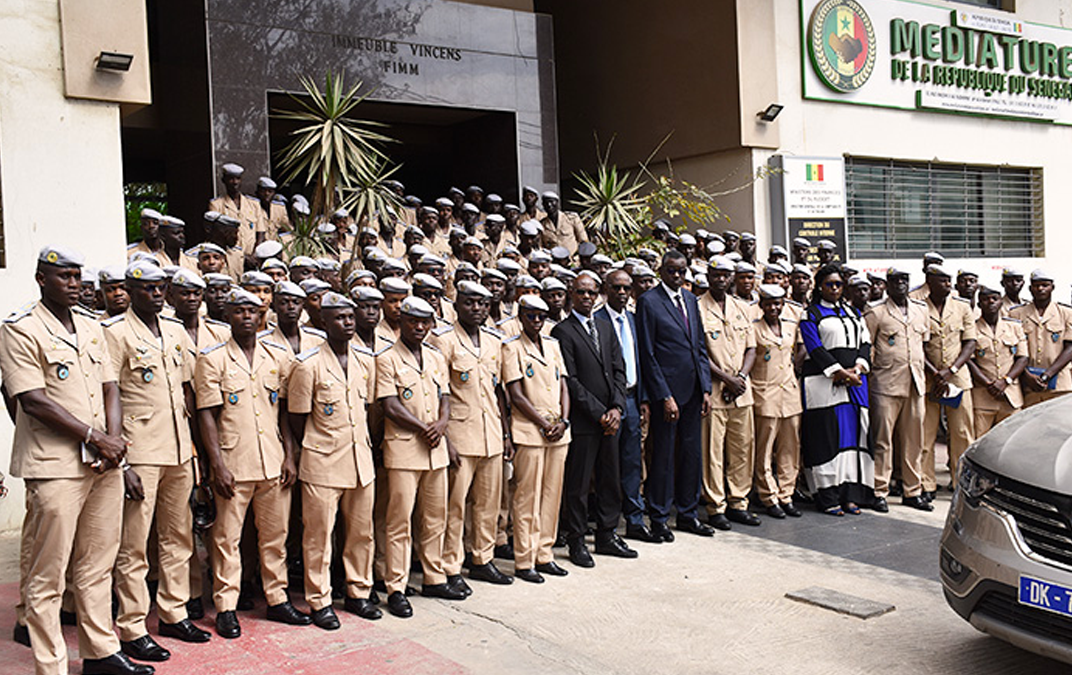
point(833, 284)
point(621, 287)
point(676, 271)
point(585, 292)
point(533, 316)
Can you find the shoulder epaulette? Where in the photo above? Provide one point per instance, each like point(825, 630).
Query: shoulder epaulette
point(1008, 318)
point(1065, 305)
point(918, 302)
point(1022, 304)
point(552, 339)
point(112, 320)
point(307, 353)
point(432, 347)
point(790, 301)
point(964, 300)
point(271, 343)
point(173, 319)
point(493, 331)
point(502, 321)
point(360, 349)
point(212, 348)
point(511, 339)
point(442, 330)
point(916, 288)
point(19, 315)
point(384, 349)
point(130, 246)
point(265, 333)
point(314, 331)
point(214, 322)
point(79, 309)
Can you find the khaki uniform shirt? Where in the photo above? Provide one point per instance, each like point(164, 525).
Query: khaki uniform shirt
point(308, 337)
point(897, 339)
point(792, 310)
point(921, 293)
point(995, 350)
point(511, 327)
point(1046, 336)
point(475, 427)
point(37, 352)
point(276, 220)
point(775, 386)
point(728, 335)
point(1007, 305)
point(438, 245)
point(141, 247)
point(211, 332)
point(418, 388)
point(336, 448)
point(385, 333)
point(568, 231)
point(151, 375)
point(540, 375)
point(947, 330)
point(249, 398)
point(247, 211)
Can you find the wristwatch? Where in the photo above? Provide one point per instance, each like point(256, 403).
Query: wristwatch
point(1008, 380)
point(953, 369)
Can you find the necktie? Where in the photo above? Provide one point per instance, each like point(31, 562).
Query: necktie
point(625, 337)
point(593, 333)
point(684, 315)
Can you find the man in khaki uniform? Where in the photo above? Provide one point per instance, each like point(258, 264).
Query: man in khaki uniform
point(412, 383)
point(367, 301)
point(778, 407)
point(151, 242)
point(246, 210)
point(535, 374)
point(476, 441)
point(730, 450)
point(1000, 358)
point(561, 228)
point(274, 215)
point(923, 290)
point(1048, 328)
point(329, 394)
point(1012, 282)
point(288, 300)
point(67, 448)
point(153, 358)
point(951, 343)
point(899, 328)
point(239, 385)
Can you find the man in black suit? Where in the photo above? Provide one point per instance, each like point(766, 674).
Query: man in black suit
point(597, 393)
point(677, 383)
point(618, 287)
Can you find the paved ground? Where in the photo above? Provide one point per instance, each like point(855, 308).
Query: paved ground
point(705, 606)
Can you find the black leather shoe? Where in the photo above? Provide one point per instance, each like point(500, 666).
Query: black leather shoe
point(467, 561)
point(326, 618)
point(693, 526)
point(144, 649)
point(881, 505)
point(245, 601)
point(560, 541)
point(551, 568)
point(775, 511)
point(662, 531)
point(743, 517)
point(184, 630)
point(365, 609)
point(613, 545)
point(374, 597)
point(489, 573)
point(22, 634)
point(791, 510)
point(719, 521)
point(398, 604)
point(443, 591)
point(116, 664)
point(227, 625)
point(928, 495)
point(68, 618)
point(918, 503)
point(530, 575)
point(286, 613)
point(896, 489)
point(642, 533)
point(456, 582)
point(195, 609)
point(504, 551)
point(579, 555)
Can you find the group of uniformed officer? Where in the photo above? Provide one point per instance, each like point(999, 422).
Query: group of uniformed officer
point(393, 410)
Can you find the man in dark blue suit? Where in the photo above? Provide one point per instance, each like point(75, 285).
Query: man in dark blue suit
point(677, 383)
point(618, 287)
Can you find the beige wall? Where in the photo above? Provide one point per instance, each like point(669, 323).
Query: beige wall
point(728, 174)
point(61, 170)
point(87, 29)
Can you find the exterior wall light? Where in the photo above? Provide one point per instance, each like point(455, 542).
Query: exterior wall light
point(770, 113)
point(114, 61)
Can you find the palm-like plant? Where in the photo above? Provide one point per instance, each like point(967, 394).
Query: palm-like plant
point(609, 201)
point(369, 198)
point(331, 147)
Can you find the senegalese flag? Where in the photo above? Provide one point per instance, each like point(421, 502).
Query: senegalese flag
point(813, 173)
point(1018, 27)
point(846, 28)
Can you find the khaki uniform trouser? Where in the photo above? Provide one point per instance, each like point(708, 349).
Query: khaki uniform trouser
point(961, 434)
point(167, 496)
point(539, 471)
point(427, 491)
point(475, 491)
point(72, 519)
point(985, 420)
point(271, 512)
point(506, 504)
point(319, 507)
point(897, 425)
point(379, 524)
point(777, 450)
point(1035, 397)
point(729, 455)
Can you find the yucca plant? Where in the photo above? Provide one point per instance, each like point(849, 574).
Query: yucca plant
point(369, 198)
point(331, 147)
point(611, 204)
point(304, 239)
